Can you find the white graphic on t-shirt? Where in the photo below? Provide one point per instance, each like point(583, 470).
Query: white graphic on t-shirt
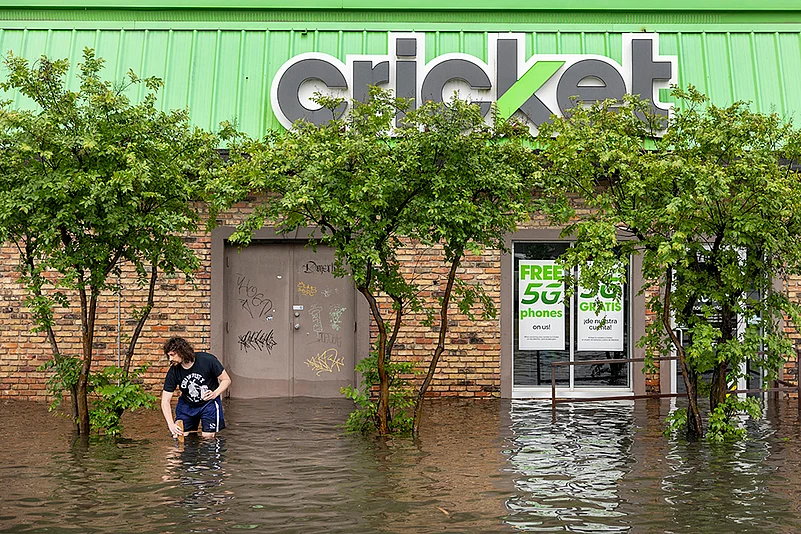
point(193, 386)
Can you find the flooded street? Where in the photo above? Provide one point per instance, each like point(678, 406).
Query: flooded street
point(493, 466)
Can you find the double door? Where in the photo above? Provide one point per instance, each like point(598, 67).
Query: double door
point(289, 322)
point(550, 327)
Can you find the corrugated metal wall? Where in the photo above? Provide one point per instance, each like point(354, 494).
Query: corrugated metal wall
point(226, 74)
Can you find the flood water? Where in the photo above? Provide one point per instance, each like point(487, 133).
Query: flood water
point(489, 466)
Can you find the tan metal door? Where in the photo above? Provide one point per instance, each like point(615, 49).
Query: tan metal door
point(324, 324)
point(289, 322)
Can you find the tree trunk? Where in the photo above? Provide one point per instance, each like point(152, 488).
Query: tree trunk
point(695, 427)
point(83, 405)
point(74, 405)
point(141, 323)
point(73, 387)
point(720, 386)
point(88, 314)
point(383, 379)
point(390, 346)
point(440, 348)
point(51, 337)
point(28, 254)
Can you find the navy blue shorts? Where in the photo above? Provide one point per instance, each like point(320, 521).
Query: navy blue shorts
point(210, 415)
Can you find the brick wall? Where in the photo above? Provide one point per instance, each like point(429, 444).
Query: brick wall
point(793, 291)
point(652, 378)
point(470, 366)
point(181, 308)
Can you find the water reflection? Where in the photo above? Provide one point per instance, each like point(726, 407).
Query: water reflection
point(196, 474)
point(570, 470)
point(285, 466)
point(453, 478)
point(605, 467)
point(727, 487)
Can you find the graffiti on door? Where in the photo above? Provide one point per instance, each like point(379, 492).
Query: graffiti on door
point(335, 316)
point(312, 267)
point(305, 289)
point(252, 300)
point(327, 361)
point(317, 320)
point(328, 339)
point(258, 340)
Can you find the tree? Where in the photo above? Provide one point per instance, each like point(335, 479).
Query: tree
point(90, 181)
point(480, 180)
point(443, 177)
point(713, 207)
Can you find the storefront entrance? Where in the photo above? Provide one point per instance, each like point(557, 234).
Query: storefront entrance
point(550, 327)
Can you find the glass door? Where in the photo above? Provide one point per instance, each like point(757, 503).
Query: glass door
point(549, 328)
point(541, 334)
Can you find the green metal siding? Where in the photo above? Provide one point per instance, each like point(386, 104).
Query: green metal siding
point(458, 5)
point(499, 20)
point(226, 74)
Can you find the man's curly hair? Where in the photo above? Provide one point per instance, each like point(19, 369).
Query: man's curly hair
point(181, 347)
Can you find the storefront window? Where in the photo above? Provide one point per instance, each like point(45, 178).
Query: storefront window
point(549, 327)
point(753, 372)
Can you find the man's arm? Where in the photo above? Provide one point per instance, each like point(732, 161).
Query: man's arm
point(225, 381)
point(166, 410)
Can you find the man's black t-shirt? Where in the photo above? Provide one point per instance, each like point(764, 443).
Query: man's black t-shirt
point(196, 380)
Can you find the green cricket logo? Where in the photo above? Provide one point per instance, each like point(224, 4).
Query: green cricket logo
point(531, 88)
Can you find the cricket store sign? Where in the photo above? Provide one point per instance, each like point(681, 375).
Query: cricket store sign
point(532, 88)
point(541, 306)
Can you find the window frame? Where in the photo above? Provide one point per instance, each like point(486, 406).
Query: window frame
point(636, 329)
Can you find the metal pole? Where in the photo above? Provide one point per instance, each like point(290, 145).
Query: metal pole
point(553, 394)
point(119, 317)
point(798, 380)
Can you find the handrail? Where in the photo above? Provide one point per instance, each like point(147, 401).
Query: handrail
point(594, 362)
point(554, 400)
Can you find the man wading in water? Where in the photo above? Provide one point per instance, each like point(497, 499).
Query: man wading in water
point(202, 380)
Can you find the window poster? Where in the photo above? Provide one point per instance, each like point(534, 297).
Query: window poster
point(600, 319)
point(541, 306)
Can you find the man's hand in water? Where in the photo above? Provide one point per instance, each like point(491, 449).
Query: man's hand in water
point(175, 431)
